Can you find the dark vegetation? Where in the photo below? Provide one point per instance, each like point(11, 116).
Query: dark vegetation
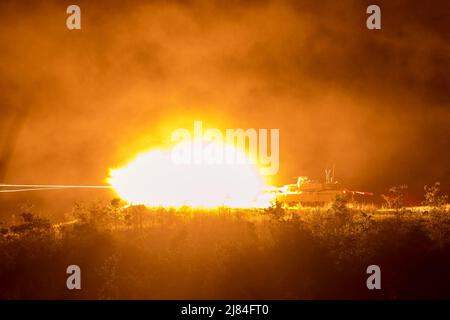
point(276, 253)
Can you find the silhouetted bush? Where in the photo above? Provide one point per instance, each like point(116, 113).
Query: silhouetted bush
point(433, 196)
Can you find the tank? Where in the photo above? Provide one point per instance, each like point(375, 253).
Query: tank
point(307, 192)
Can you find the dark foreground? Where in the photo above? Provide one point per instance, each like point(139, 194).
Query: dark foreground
point(138, 253)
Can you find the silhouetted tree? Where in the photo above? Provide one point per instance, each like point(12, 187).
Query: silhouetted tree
point(395, 198)
point(433, 196)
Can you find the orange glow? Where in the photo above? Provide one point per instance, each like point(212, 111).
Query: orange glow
point(153, 179)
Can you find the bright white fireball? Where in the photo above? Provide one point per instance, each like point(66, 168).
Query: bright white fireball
point(153, 179)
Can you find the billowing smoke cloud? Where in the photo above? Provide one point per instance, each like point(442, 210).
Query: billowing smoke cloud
point(373, 103)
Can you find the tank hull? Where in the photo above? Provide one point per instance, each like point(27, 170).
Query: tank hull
point(311, 198)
